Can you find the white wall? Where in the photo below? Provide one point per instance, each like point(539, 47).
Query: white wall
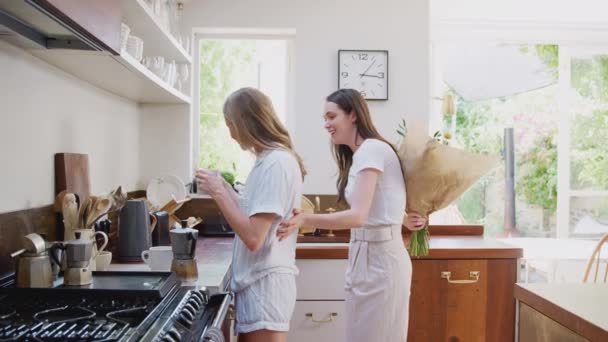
point(43, 111)
point(579, 11)
point(165, 142)
point(322, 27)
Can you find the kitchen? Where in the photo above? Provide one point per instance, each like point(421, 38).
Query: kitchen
point(134, 133)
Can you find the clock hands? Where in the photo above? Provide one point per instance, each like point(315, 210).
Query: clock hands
point(366, 70)
point(370, 75)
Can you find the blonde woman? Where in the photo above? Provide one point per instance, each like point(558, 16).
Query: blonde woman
point(371, 183)
point(263, 269)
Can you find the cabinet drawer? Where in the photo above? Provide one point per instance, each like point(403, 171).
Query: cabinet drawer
point(317, 321)
point(462, 300)
point(321, 279)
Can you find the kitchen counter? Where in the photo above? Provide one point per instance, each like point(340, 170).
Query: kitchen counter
point(581, 308)
point(213, 256)
point(441, 247)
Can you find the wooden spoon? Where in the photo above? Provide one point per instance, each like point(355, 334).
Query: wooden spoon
point(100, 208)
point(83, 212)
point(70, 214)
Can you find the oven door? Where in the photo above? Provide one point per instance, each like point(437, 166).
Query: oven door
point(193, 316)
point(216, 331)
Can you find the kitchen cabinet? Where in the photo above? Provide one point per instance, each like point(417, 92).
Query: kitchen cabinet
point(319, 311)
point(473, 302)
point(317, 321)
point(462, 300)
point(96, 20)
point(536, 327)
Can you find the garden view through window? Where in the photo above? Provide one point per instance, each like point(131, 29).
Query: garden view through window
point(225, 66)
point(556, 100)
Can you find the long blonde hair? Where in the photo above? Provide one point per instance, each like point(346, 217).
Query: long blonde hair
point(351, 102)
point(257, 127)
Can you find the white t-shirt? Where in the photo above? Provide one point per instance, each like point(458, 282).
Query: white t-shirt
point(274, 186)
point(388, 205)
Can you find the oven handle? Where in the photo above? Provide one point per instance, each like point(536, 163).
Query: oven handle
point(221, 312)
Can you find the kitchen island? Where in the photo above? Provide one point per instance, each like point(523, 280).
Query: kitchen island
point(562, 312)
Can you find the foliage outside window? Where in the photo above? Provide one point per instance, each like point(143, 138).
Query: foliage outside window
point(534, 116)
point(225, 66)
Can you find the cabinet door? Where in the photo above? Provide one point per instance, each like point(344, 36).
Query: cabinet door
point(462, 306)
point(536, 327)
point(98, 20)
point(318, 321)
point(321, 279)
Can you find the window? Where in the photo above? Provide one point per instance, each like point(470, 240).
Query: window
point(226, 65)
point(556, 99)
point(584, 187)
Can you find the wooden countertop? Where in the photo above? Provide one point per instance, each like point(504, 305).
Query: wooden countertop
point(441, 247)
point(581, 308)
point(213, 256)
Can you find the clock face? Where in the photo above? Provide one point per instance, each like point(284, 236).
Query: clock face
point(365, 71)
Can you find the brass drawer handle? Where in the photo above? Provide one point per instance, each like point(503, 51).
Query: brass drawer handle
point(474, 275)
point(329, 320)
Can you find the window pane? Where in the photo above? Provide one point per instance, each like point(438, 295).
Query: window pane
point(227, 65)
point(589, 126)
point(589, 216)
point(523, 96)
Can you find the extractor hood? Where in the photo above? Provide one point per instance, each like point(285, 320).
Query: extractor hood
point(61, 24)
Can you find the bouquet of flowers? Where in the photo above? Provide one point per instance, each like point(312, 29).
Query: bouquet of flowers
point(435, 176)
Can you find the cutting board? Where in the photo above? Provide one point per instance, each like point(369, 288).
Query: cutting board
point(72, 174)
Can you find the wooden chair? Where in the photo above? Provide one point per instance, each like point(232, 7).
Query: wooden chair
point(595, 262)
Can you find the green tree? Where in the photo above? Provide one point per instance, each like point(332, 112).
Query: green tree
point(589, 128)
point(223, 63)
point(590, 151)
point(537, 181)
point(480, 128)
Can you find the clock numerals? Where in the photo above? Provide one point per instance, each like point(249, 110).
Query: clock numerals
point(363, 93)
point(344, 74)
point(381, 74)
point(363, 56)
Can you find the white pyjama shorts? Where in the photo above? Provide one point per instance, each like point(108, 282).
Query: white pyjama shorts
point(267, 304)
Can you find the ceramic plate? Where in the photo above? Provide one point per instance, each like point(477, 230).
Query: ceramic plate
point(162, 189)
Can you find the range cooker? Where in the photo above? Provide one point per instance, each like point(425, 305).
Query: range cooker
point(117, 306)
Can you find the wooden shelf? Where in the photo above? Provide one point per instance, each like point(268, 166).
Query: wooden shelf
point(157, 40)
point(121, 75)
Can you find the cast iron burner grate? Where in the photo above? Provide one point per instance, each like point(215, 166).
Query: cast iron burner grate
point(72, 318)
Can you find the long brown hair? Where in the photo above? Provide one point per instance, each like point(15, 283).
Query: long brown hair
point(257, 127)
point(352, 103)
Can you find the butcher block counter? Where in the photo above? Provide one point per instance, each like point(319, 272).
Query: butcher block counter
point(462, 291)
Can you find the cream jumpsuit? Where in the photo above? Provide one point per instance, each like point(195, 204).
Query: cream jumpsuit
point(379, 273)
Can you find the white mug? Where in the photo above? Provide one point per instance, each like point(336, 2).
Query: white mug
point(103, 260)
point(158, 258)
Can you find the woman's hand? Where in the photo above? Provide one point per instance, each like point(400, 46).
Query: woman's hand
point(414, 222)
point(209, 181)
point(287, 227)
